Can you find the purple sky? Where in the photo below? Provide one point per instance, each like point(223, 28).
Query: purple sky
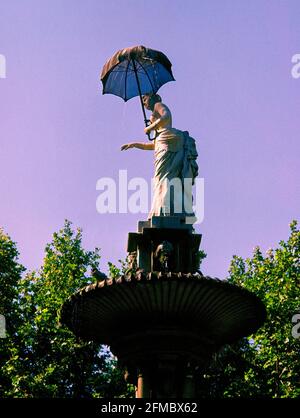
point(234, 93)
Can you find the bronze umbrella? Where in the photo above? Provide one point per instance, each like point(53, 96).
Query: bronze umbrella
point(135, 71)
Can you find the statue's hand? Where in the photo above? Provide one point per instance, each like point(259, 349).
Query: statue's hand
point(126, 146)
point(147, 130)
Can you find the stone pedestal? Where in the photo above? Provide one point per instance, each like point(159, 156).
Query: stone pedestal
point(165, 244)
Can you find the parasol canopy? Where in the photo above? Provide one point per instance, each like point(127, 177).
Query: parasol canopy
point(135, 71)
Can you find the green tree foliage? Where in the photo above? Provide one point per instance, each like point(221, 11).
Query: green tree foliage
point(267, 363)
point(46, 359)
point(10, 275)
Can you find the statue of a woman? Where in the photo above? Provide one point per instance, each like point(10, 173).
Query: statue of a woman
point(175, 162)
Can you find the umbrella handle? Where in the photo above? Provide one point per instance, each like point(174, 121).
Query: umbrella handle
point(141, 100)
point(153, 134)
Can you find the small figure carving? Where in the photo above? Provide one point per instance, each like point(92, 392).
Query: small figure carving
point(131, 262)
point(163, 253)
point(97, 274)
point(198, 257)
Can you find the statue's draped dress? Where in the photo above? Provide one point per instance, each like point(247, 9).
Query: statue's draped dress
point(171, 165)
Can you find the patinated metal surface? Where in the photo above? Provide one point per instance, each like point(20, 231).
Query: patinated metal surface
point(213, 310)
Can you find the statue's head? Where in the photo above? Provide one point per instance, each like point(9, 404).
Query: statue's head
point(150, 99)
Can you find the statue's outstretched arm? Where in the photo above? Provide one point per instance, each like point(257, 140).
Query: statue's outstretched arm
point(139, 145)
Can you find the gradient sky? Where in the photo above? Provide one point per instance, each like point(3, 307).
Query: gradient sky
point(234, 93)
